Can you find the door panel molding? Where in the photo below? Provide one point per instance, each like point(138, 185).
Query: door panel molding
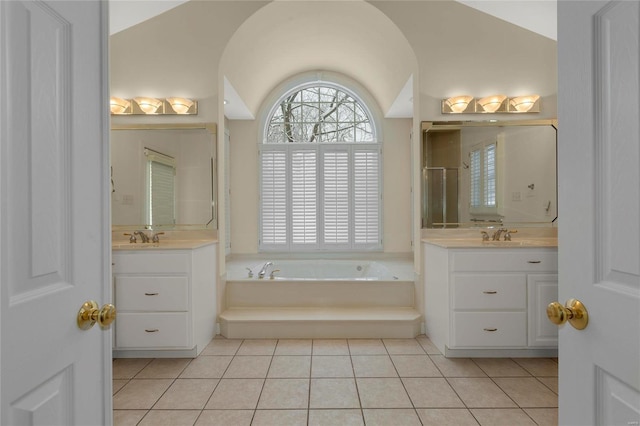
point(49, 403)
point(617, 130)
point(617, 401)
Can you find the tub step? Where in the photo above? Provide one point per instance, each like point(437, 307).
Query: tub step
point(289, 323)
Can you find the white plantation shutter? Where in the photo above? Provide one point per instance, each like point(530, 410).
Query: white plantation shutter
point(320, 197)
point(483, 178)
point(274, 198)
point(366, 196)
point(304, 195)
point(490, 175)
point(160, 188)
point(336, 197)
point(476, 182)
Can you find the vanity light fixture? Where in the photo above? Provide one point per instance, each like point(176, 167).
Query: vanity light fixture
point(492, 103)
point(457, 104)
point(148, 105)
point(527, 103)
point(119, 106)
point(153, 106)
point(180, 105)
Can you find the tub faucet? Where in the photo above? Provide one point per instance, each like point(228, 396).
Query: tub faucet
point(263, 271)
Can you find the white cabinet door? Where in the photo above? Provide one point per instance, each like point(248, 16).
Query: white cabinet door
point(599, 199)
point(54, 212)
point(542, 290)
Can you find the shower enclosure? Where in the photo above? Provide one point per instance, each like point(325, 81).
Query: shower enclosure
point(440, 197)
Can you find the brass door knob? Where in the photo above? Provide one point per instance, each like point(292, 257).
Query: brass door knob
point(573, 311)
point(89, 314)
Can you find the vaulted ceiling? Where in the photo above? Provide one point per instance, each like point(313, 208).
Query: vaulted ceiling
point(244, 49)
point(535, 15)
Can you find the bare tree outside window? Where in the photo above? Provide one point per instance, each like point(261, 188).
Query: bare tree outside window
point(319, 114)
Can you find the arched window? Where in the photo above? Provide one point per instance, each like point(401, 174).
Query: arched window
point(320, 169)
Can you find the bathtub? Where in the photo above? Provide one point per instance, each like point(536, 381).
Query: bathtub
point(322, 270)
point(320, 283)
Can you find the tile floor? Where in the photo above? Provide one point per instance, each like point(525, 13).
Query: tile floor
point(333, 382)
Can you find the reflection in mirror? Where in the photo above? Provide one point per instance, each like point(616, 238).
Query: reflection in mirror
point(160, 194)
point(155, 166)
point(487, 173)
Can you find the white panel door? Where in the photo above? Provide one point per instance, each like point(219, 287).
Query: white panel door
point(599, 200)
point(54, 212)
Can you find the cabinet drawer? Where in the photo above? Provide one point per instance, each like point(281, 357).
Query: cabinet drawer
point(489, 329)
point(514, 260)
point(151, 330)
point(499, 291)
point(136, 293)
point(143, 262)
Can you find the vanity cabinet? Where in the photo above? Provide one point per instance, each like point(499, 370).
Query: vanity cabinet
point(166, 301)
point(490, 301)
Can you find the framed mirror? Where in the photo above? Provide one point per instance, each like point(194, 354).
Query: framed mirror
point(164, 176)
point(488, 173)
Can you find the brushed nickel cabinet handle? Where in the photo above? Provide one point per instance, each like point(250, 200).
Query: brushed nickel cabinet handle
point(151, 294)
point(490, 292)
point(535, 261)
point(155, 330)
point(490, 329)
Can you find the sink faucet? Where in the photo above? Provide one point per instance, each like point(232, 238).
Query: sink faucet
point(263, 271)
point(496, 235)
point(156, 237)
point(143, 236)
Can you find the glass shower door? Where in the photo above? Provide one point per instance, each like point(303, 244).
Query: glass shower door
point(440, 200)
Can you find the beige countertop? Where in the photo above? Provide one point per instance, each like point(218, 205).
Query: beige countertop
point(169, 239)
point(166, 244)
point(477, 242)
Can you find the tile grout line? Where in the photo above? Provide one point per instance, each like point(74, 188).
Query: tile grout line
point(309, 393)
point(531, 375)
point(402, 381)
point(219, 379)
point(355, 382)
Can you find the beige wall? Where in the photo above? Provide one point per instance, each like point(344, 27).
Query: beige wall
point(397, 185)
point(243, 158)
